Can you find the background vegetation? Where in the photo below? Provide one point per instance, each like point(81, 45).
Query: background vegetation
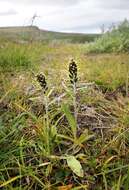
point(33, 33)
point(116, 39)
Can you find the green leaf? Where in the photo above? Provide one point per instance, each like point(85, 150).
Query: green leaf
point(53, 131)
point(126, 185)
point(84, 137)
point(75, 166)
point(71, 120)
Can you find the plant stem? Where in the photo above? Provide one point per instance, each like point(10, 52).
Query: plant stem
point(47, 125)
point(75, 102)
point(127, 82)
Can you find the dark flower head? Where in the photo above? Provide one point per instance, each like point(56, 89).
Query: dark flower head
point(73, 72)
point(42, 81)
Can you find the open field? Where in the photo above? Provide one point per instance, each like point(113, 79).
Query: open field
point(44, 144)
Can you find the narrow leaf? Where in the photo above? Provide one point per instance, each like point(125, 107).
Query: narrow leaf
point(10, 181)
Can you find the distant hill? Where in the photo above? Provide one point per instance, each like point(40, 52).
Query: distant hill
point(27, 33)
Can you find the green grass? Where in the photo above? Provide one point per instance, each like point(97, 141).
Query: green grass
point(35, 154)
point(14, 58)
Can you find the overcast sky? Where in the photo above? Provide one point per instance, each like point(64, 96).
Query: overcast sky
point(85, 16)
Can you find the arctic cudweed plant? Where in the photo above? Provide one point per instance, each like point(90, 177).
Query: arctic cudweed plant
point(42, 81)
point(73, 79)
point(73, 75)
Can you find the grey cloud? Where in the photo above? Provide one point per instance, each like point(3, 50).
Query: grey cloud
point(93, 27)
point(109, 4)
point(8, 12)
point(113, 4)
point(47, 2)
point(85, 20)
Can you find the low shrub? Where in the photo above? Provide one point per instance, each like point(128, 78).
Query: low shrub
point(116, 40)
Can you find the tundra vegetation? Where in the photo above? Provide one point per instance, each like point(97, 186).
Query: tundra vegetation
point(64, 113)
